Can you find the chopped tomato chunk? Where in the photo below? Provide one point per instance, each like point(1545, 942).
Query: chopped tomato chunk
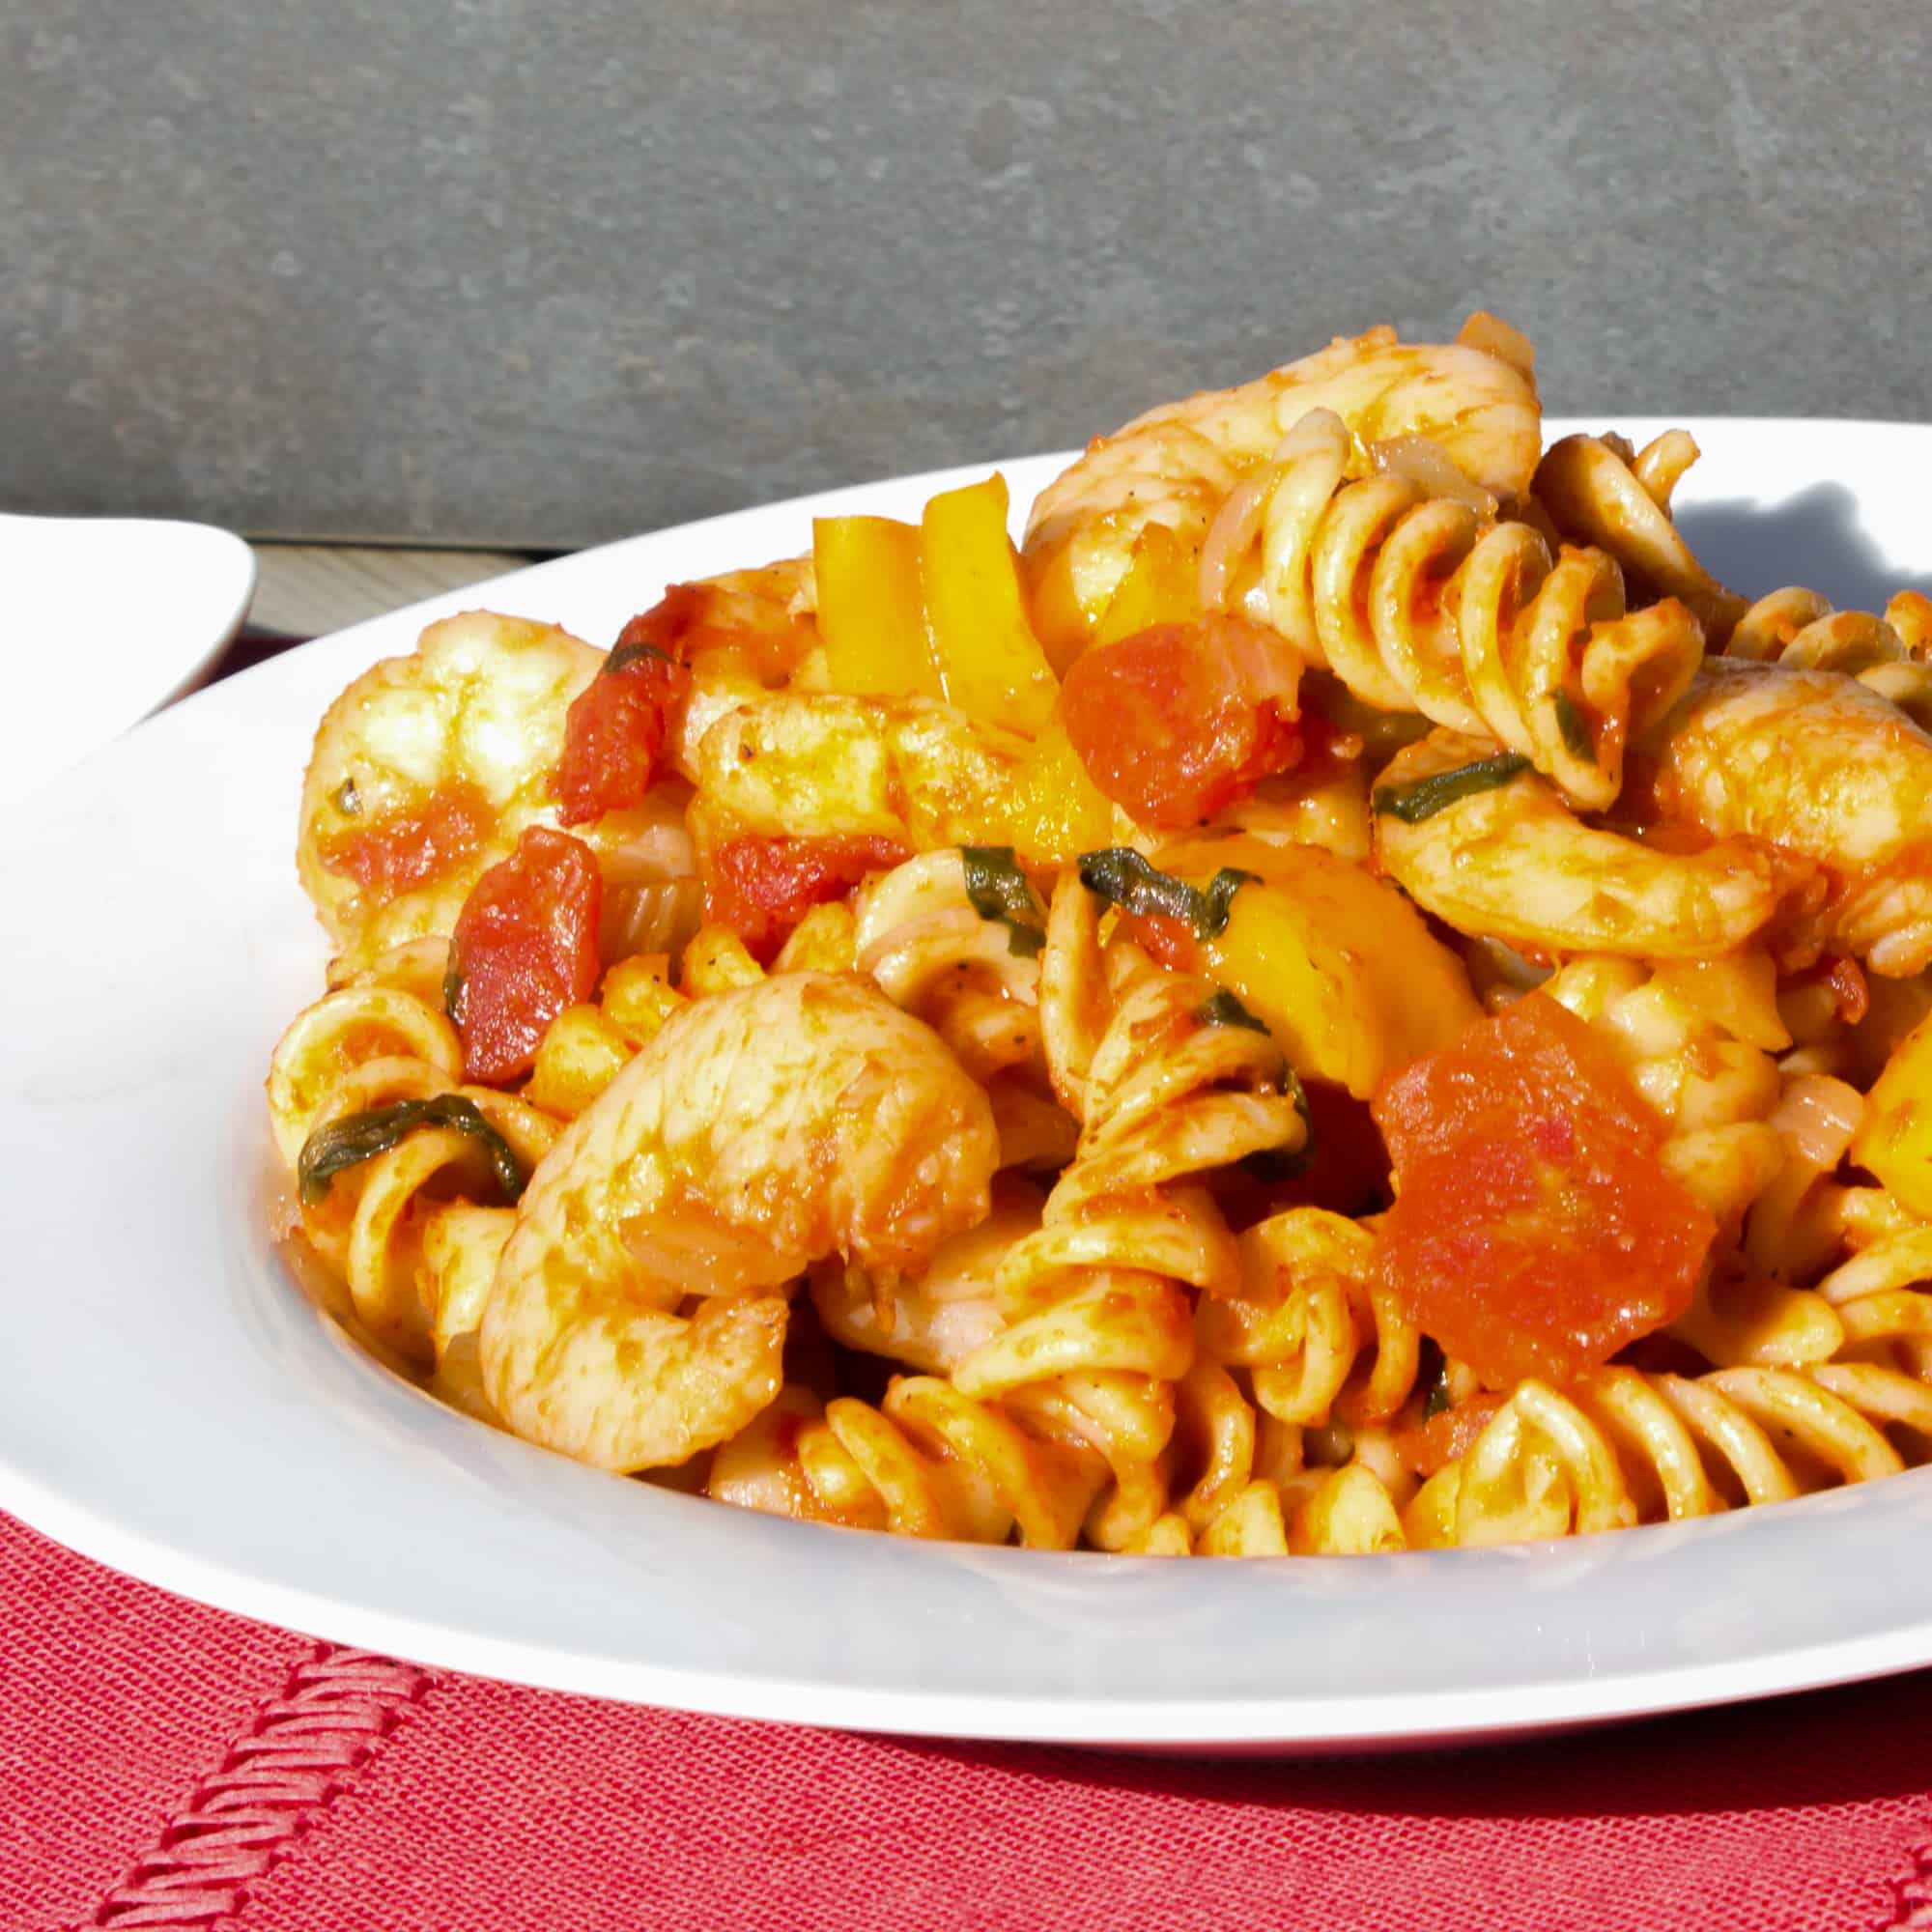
point(614, 732)
point(411, 845)
point(762, 888)
point(1535, 1231)
point(1180, 722)
point(525, 948)
point(668, 626)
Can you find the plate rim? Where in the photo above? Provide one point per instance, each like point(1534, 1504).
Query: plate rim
point(1581, 1699)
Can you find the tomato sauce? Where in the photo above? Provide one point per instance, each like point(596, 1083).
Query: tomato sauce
point(616, 731)
point(525, 948)
point(411, 845)
point(1182, 720)
point(1535, 1231)
point(762, 888)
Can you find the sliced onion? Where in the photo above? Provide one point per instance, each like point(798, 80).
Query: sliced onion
point(1419, 460)
point(1819, 1116)
point(1232, 535)
point(655, 916)
point(1266, 669)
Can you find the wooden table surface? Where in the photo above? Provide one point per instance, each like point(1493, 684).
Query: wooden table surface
point(308, 589)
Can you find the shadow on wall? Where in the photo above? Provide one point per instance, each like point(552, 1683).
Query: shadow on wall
point(1814, 539)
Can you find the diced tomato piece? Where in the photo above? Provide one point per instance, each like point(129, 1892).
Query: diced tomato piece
point(1447, 1437)
point(411, 845)
point(1180, 722)
point(614, 732)
point(1170, 941)
point(1535, 1231)
point(762, 888)
point(525, 948)
point(667, 626)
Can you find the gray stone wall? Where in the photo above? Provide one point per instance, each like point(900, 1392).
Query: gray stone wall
point(488, 271)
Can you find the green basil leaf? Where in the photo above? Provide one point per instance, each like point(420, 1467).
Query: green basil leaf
point(1284, 1163)
point(1431, 1372)
point(1218, 900)
point(361, 1137)
point(1425, 797)
point(999, 890)
point(626, 655)
point(1222, 1009)
point(453, 985)
point(1122, 877)
point(1577, 737)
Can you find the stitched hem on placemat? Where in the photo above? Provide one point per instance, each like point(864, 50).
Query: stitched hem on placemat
point(277, 1781)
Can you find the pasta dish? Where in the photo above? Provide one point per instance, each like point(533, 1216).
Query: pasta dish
point(1346, 995)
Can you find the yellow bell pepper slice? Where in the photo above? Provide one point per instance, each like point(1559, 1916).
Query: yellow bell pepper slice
point(990, 664)
point(1341, 967)
point(872, 609)
point(1069, 584)
point(1894, 1139)
point(1058, 811)
point(1162, 586)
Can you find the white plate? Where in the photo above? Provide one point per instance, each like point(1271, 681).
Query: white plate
point(176, 1407)
point(107, 618)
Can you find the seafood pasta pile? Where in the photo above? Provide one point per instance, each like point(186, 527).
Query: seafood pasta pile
point(1348, 996)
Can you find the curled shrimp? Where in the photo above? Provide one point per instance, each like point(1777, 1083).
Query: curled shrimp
point(763, 1129)
point(1513, 860)
point(427, 768)
point(1179, 464)
point(1833, 772)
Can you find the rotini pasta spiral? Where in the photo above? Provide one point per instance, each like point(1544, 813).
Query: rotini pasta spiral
point(974, 980)
point(927, 1460)
point(1424, 602)
point(1598, 491)
point(356, 1056)
point(1625, 1447)
point(1797, 627)
point(931, 1189)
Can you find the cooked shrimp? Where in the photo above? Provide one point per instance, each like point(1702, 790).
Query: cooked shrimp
point(753, 632)
point(763, 1129)
point(816, 764)
point(1504, 854)
point(1177, 465)
point(426, 771)
point(1832, 771)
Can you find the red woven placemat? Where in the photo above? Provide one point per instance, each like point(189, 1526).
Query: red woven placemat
point(163, 1765)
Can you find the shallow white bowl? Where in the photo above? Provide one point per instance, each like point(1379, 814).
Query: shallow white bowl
point(179, 1409)
point(107, 618)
